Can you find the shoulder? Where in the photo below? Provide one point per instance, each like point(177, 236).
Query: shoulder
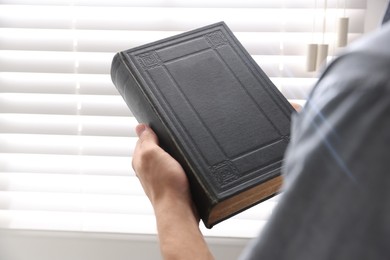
point(363, 66)
point(355, 79)
point(349, 108)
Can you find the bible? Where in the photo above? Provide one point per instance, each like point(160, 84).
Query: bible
point(214, 110)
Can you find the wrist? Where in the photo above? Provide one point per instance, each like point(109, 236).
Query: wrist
point(178, 229)
point(180, 204)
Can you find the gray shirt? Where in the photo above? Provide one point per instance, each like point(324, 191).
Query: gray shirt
point(336, 199)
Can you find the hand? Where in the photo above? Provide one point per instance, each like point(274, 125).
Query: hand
point(166, 185)
point(161, 176)
point(296, 106)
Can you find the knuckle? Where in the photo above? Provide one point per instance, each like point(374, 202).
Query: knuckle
point(148, 154)
point(145, 158)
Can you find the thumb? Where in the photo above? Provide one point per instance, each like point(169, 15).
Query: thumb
point(145, 133)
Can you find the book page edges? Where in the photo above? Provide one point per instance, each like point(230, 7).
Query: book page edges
point(244, 200)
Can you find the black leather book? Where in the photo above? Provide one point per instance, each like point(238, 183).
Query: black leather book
point(214, 110)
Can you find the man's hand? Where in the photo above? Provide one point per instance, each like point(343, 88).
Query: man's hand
point(296, 106)
point(166, 185)
point(161, 176)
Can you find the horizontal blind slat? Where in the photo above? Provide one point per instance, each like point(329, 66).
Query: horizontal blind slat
point(56, 62)
point(119, 223)
point(100, 63)
point(257, 43)
point(98, 105)
point(101, 84)
point(176, 19)
point(67, 145)
point(70, 183)
point(191, 4)
point(67, 124)
point(82, 105)
point(66, 164)
point(77, 221)
point(57, 83)
point(75, 202)
point(99, 203)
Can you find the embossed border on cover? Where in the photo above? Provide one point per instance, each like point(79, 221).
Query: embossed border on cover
point(225, 172)
point(216, 39)
point(149, 60)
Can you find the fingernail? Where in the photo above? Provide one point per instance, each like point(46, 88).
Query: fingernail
point(139, 129)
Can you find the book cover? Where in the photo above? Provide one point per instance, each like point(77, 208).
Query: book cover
point(214, 110)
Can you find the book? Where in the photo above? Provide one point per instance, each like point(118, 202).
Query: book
point(214, 110)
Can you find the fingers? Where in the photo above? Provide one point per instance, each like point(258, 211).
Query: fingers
point(296, 106)
point(146, 145)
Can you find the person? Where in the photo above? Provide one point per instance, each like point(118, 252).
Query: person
point(336, 193)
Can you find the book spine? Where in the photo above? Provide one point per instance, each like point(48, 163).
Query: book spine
point(144, 111)
point(122, 77)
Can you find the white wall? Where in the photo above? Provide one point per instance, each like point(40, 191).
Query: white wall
point(36, 245)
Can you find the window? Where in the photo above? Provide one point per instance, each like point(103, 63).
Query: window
point(66, 135)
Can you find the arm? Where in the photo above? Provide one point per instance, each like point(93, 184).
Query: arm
point(167, 188)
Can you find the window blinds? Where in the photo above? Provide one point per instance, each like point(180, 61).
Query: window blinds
point(66, 135)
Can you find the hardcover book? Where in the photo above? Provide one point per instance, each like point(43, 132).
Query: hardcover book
point(214, 110)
